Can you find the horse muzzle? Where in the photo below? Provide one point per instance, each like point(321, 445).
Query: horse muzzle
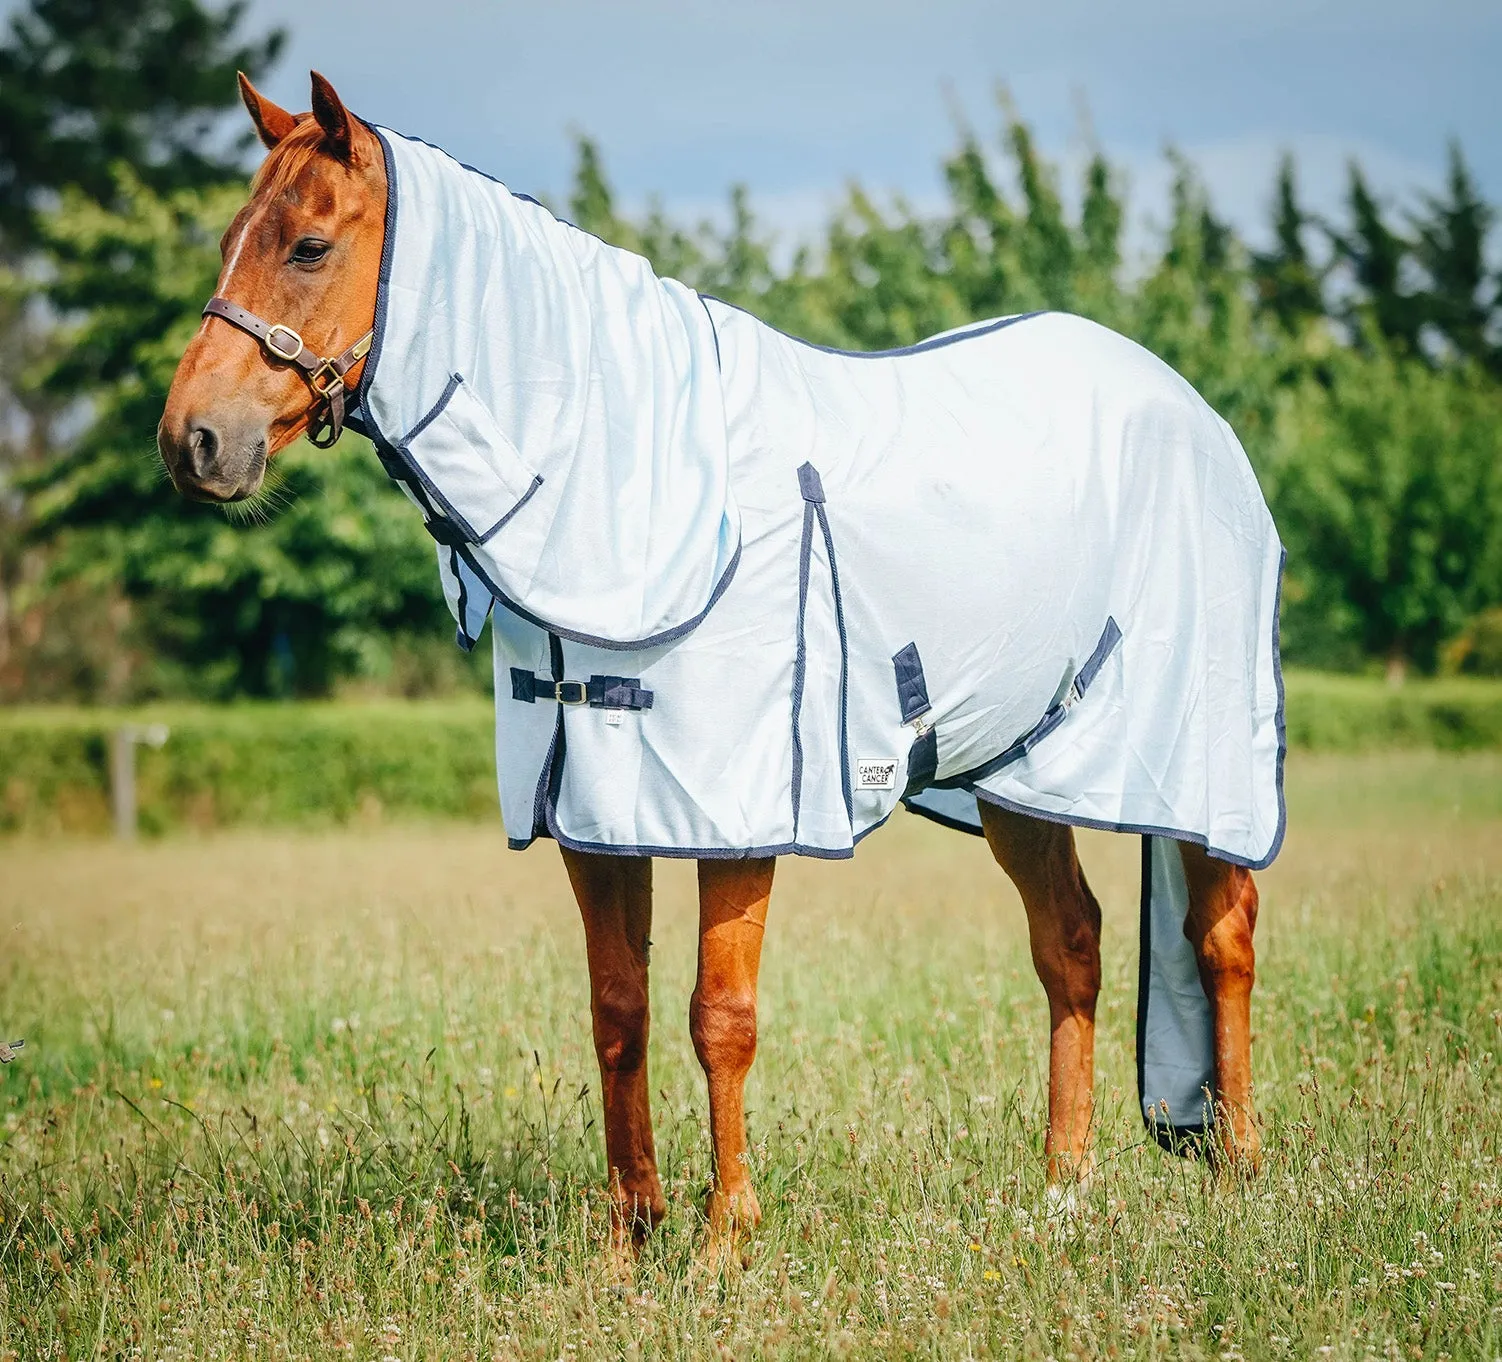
point(209, 462)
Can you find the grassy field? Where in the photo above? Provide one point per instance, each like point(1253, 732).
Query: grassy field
point(333, 1095)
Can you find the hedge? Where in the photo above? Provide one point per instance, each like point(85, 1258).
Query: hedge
point(329, 763)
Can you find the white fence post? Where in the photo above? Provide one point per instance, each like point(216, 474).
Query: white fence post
point(123, 744)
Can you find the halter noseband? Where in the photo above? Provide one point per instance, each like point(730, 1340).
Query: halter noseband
point(325, 376)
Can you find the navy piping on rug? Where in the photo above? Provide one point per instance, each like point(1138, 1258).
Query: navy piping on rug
point(1110, 640)
point(800, 654)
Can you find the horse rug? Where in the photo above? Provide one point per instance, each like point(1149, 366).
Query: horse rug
point(754, 593)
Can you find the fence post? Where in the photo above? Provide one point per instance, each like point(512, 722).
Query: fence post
point(123, 743)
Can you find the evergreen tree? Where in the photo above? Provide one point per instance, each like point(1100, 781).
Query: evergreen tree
point(87, 85)
point(1289, 286)
point(1377, 256)
point(1450, 243)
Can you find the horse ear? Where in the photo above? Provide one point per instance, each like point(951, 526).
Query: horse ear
point(272, 122)
point(332, 117)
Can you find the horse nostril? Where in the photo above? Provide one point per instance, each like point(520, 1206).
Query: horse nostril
point(203, 450)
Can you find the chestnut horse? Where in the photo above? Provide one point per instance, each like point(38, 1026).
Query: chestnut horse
point(305, 252)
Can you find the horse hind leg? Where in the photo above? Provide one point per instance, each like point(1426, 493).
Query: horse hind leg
point(1063, 920)
point(1221, 919)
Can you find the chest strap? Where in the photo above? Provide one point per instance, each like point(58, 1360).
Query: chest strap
point(599, 692)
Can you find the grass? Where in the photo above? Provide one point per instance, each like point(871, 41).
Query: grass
point(333, 1095)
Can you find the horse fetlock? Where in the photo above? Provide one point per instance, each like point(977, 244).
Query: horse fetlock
point(732, 1209)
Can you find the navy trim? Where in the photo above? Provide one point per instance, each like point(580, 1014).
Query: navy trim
point(1144, 829)
point(839, 619)
point(1109, 639)
point(713, 331)
point(942, 819)
point(383, 290)
point(932, 343)
point(614, 645)
point(800, 660)
point(450, 511)
point(447, 396)
point(1278, 719)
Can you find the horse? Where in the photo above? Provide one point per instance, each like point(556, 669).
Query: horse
point(308, 251)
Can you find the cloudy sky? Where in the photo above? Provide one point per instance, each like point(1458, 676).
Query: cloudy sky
point(797, 97)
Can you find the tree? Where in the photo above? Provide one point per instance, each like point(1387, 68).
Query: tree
point(1390, 495)
point(88, 85)
point(1377, 256)
point(1289, 286)
point(1450, 244)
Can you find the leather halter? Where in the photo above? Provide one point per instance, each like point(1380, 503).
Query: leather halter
point(325, 376)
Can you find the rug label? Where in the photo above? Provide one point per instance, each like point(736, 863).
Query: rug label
point(876, 773)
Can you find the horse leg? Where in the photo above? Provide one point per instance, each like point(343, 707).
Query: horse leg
point(1063, 921)
point(733, 899)
point(1222, 916)
point(615, 899)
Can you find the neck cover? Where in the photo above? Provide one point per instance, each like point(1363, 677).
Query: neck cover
point(545, 384)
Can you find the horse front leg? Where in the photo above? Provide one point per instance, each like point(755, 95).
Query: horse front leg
point(1222, 917)
point(733, 900)
point(615, 899)
point(1063, 922)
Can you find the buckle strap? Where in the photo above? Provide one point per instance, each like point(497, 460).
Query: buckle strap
point(599, 692)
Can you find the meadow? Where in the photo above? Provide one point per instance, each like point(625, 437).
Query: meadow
point(331, 1093)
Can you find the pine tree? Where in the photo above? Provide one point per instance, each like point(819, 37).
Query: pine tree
point(1289, 286)
point(87, 85)
point(1377, 256)
point(1450, 242)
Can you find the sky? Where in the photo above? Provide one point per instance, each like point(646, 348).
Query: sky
point(798, 97)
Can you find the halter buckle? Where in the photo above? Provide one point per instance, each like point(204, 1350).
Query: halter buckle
point(324, 385)
point(281, 353)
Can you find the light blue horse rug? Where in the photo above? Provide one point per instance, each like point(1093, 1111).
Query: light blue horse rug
point(753, 593)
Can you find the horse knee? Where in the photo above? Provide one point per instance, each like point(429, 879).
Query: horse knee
point(723, 1028)
point(620, 1024)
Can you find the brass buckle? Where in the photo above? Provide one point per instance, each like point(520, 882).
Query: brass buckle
point(289, 355)
point(580, 693)
point(334, 376)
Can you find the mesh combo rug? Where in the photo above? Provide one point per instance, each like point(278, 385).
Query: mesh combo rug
point(748, 594)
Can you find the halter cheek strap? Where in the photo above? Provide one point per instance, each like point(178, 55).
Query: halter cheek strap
point(325, 376)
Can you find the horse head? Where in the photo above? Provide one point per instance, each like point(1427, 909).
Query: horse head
point(284, 340)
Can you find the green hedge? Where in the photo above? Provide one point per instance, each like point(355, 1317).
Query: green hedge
point(275, 763)
point(334, 763)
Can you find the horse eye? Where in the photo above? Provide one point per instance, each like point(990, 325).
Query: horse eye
point(309, 251)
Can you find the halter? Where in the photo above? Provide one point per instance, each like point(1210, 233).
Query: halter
point(324, 376)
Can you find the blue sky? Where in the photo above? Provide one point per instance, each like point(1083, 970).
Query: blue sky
point(797, 98)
